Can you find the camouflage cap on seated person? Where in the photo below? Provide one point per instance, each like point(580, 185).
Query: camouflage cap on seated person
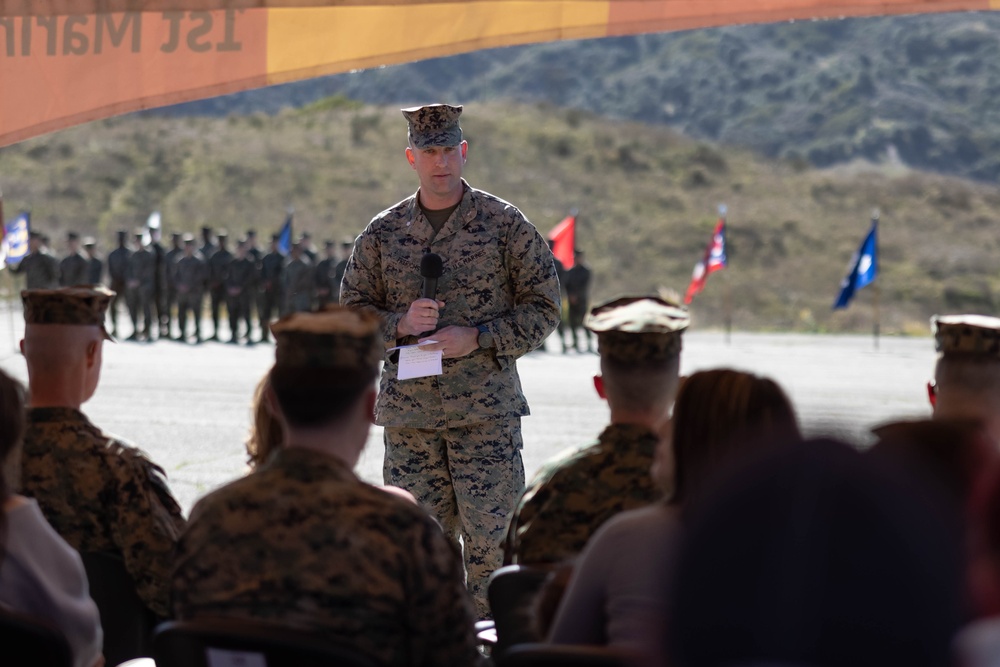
point(433, 125)
point(334, 338)
point(82, 306)
point(637, 329)
point(977, 335)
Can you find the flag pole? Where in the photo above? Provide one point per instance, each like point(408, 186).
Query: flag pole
point(877, 312)
point(9, 286)
point(727, 297)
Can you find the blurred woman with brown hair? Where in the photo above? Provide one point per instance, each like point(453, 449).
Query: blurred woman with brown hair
point(617, 596)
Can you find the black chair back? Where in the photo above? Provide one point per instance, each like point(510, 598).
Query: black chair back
point(561, 655)
point(128, 624)
point(28, 641)
point(512, 591)
point(190, 643)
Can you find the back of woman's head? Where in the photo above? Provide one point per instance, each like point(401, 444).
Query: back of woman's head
point(12, 418)
point(719, 415)
point(817, 555)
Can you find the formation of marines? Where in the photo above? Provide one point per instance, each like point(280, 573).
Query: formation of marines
point(165, 288)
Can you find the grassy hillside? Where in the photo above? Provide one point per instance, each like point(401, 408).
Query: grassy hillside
point(647, 199)
point(921, 89)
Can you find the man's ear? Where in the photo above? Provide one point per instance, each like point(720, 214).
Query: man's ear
point(91, 353)
point(21, 345)
point(599, 386)
point(465, 150)
point(409, 157)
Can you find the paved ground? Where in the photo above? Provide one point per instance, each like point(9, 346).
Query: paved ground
point(188, 406)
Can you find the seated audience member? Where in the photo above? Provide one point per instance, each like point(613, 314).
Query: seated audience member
point(816, 555)
point(40, 574)
point(966, 382)
point(99, 494)
point(639, 340)
point(265, 432)
point(301, 541)
point(978, 644)
point(951, 456)
point(618, 593)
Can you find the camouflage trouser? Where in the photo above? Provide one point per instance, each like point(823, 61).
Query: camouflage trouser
point(469, 478)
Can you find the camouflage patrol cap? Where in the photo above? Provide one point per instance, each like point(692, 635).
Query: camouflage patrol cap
point(636, 329)
point(334, 338)
point(967, 334)
point(433, 125)
point(83, 306)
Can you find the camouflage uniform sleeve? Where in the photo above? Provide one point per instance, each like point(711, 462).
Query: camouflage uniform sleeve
point(535, 288)
point(535, 535)
point(148, 525)
point(363, 286)
point(443, 617)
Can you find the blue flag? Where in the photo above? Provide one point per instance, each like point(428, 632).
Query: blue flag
point(285, 236)
point(864, 268)
point(14, 246)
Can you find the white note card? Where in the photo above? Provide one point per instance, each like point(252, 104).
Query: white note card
point(415, 362)
point(218, 657)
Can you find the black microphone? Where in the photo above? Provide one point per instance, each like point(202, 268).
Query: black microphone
point(431, 268)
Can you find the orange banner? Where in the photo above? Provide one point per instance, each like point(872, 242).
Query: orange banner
point(64, 62)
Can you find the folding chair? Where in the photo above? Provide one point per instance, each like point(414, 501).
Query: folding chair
point(28, 641)
point(562, 655)
point(511, 592)
point(128, 624)
point(204, 641)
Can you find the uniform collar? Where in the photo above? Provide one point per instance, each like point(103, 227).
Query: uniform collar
point(419, 228)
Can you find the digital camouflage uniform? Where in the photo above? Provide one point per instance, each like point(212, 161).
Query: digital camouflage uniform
point(324, 280)
point(241, 286)
point(40, 269)
point(117, 270)
point(173, 256)
point(573, 494)
point(95, 270)
point(454, 440)
point(218, 266)
point(74, 270)
point(140, 281)
point(298, 285)
point(190, 278)
point(101, 495)
point(269, 297)
point(303, 542)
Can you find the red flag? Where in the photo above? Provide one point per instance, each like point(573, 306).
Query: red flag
point(564, 241)
point(714, 260)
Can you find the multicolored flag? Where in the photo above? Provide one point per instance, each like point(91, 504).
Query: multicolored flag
point(714, 260)
point(563, 237)
point(14, 245)
point(863, 268)
point(285, 236)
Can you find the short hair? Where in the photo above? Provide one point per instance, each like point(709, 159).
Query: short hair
point(719, 415)
point(640, 386)
point(315, 397)
point(968, 373)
